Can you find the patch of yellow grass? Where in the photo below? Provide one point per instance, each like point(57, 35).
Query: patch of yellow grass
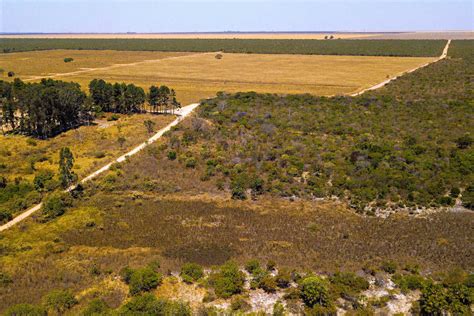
point(200, 75)
point(88, 144)
point(46, 63)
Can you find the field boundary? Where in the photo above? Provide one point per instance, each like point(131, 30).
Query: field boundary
point(185, 111)
point(443, 55)
point(113, 66)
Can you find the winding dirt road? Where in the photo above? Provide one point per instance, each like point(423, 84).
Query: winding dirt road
point(183, 112)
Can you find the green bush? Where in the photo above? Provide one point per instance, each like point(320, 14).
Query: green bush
point(314, 291)
point(96, 307)
point(190, 162)
point(143, 280)
point(268, 283)
point(389, 267)
point(55, 205)
point(68, 59)
point(191, 272)
point(148, 304)
point(171, 155)
point(283, 278)
point(468, 197)
point(59, 301)
point(25, 310)
point(228, 280)
point(409, 282)
point(5, 216)
point(347, 284)
point(252, 265)
point(5, 279)
point(41, 180)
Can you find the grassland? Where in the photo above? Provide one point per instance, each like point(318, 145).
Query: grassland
point(22, 158)
point(414, 48)
point(198, 76)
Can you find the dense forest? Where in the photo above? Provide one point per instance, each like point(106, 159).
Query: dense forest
point(415, 48)
point(406, 145)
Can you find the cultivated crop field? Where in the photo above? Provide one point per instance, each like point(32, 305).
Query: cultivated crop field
point(195, 76)
point(418, 48)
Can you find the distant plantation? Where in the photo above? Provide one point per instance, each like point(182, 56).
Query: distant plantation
point(414, 48)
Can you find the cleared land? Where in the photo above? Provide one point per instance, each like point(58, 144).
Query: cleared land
point(197, 76)
point(419, 48)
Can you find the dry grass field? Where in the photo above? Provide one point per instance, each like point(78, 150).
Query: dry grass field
point(198, 76)
point(92, 146)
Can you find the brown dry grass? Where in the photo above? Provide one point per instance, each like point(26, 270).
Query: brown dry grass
point(40, 63)
point(198, 76)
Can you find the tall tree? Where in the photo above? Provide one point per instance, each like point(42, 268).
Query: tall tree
point(66, 162)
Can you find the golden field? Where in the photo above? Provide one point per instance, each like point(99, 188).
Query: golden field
point(195, 76)
point(93, 146)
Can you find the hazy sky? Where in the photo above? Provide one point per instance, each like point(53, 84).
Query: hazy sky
point(236, 15)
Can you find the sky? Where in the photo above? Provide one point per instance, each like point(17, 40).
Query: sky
point(159, 16)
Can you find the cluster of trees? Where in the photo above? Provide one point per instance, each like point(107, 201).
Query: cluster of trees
point(42, 109)
point(128, 98)
point(50, 107)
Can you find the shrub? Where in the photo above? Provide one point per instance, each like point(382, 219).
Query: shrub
point(278, 309)
point(346, 283)
point(191, 272)
point(228, 280)
point(409, 282)
point(41, 179)
point(283, 278)
point(148, 304)
point(96, 307)
point(252, 265)
point(113, 117)
point(468, 197)
point(60, 301)
point(190, 162)
point(239, 303)
point(389, 267)
point(268, 283)
point(25, 310)
point(5, 279)
point(171, 155)
point(314, 291)
point(5, 216)
point(11, 74)
point(55, 205)
point(454, 193)
point(68, 59)
point(433, 300)
point(143, 280)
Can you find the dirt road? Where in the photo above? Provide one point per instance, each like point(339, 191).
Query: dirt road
point(183, 112)
point(444, 54)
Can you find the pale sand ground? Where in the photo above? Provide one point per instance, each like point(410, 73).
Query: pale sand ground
point(454, 35)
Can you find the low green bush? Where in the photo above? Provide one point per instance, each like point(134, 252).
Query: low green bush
point(191, 272)
point(26, 310)
point(315, 291)
point(59, 301)
point(228, 280)
point(56, 205)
